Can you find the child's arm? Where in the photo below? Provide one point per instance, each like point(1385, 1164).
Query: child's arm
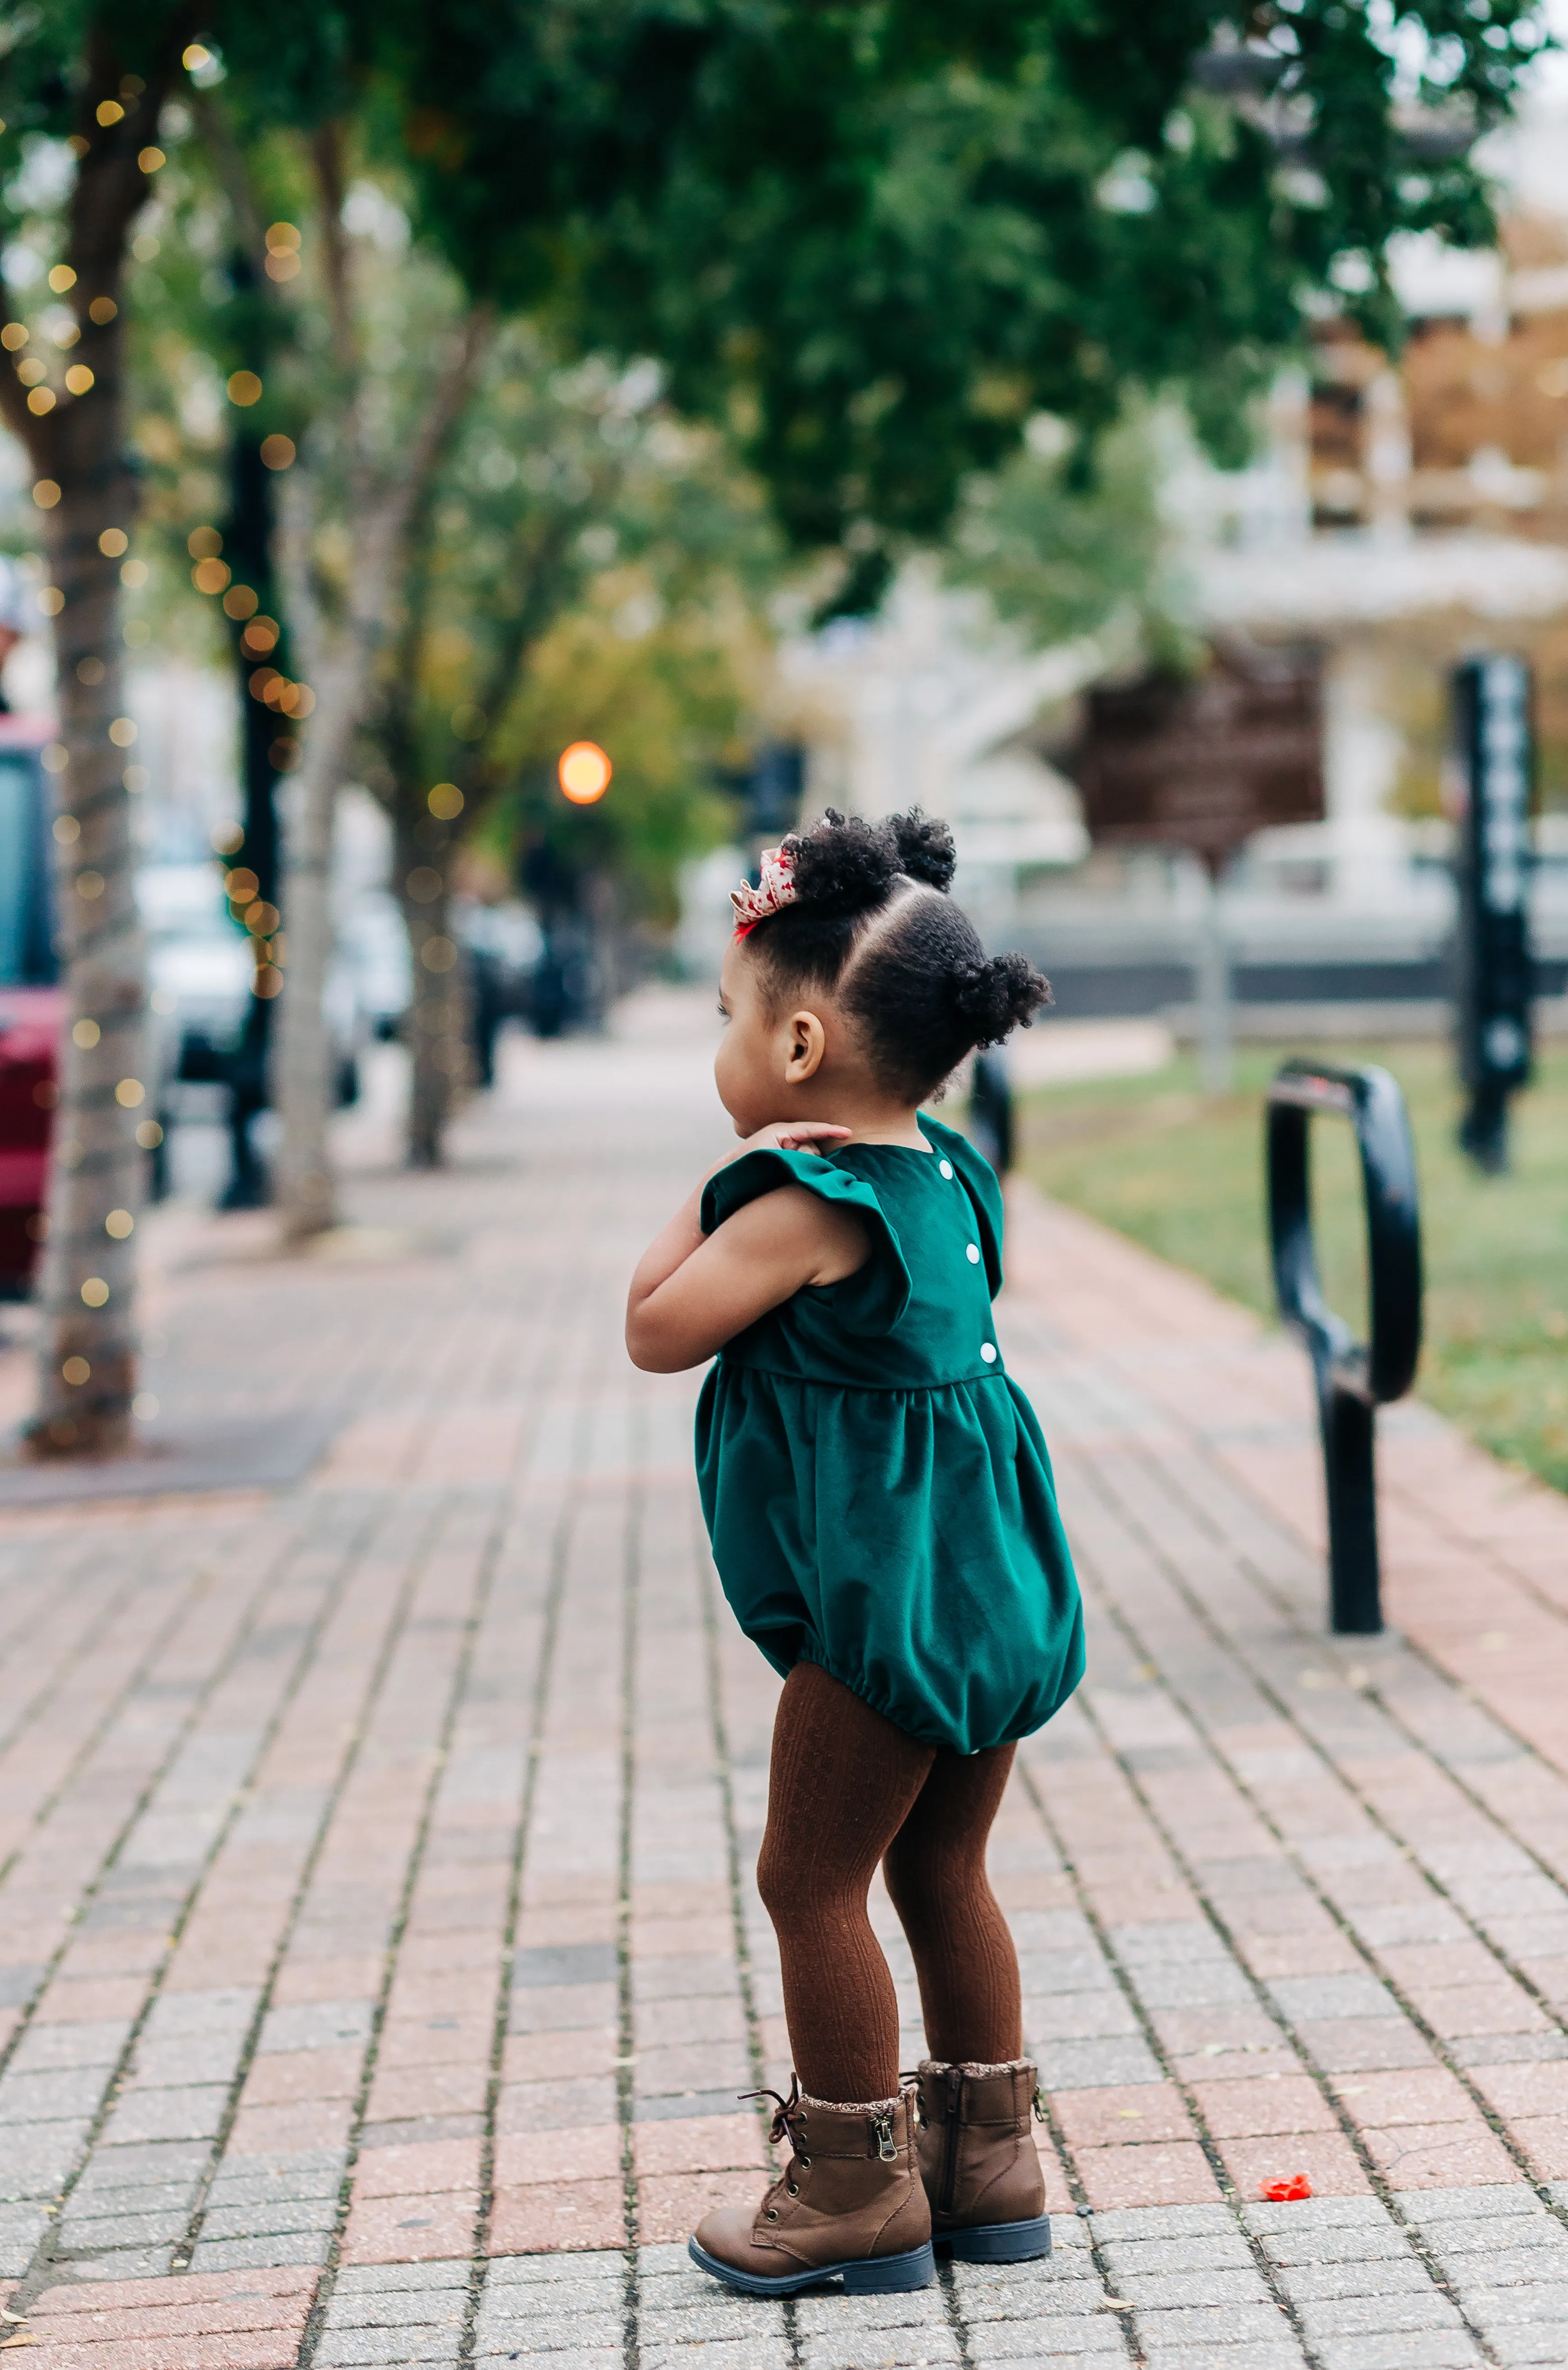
point(692, 1292)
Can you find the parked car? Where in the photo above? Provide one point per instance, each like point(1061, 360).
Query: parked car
point(199, 969)
point(374, 944)
point(31, 1005)
point(199, 972)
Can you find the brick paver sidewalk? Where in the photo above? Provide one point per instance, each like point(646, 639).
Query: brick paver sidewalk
point(379, 1959)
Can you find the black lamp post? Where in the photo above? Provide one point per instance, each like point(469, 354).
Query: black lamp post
point(1496, 749)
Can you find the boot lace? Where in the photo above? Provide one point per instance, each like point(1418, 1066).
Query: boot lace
point(789, 2122)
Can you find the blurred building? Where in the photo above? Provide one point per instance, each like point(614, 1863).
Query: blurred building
point(1406, 516)
point(922, 707)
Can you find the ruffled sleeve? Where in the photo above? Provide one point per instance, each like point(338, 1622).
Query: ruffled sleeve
point(872, 1299)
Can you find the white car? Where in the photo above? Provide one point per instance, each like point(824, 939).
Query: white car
point(373, 943)
point(199, 969)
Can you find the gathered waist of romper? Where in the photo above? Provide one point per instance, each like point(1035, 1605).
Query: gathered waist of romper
point(867, 1389)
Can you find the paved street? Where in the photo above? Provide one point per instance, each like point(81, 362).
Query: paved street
point(379, 1956)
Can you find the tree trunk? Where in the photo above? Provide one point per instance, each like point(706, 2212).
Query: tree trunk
point(380, 518)
point(74, 440)
point(449, 1008)
point(304, 1067)
point(86, 1362)
point(301, 1048)
point(438, 1016)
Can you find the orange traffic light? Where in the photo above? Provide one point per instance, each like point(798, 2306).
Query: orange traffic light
point(584, 772)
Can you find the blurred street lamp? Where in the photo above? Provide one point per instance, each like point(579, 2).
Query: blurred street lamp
point(584, 773)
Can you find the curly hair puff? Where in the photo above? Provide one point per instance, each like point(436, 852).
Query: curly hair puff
point(873, 925)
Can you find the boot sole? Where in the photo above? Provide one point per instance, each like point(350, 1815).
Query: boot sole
point(880, 2275)
point(1000, 2242)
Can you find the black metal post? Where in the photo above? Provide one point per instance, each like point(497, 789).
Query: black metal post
point(774, 789)
point(1496, 749)
point(248, 543)
point(1349, 1426)
point(991, 1108)
point(266, 745)
point(1352, 1379)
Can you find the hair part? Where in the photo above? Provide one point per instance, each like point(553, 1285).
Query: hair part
point(872, 925)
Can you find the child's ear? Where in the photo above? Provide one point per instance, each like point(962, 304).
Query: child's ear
point(808, 1042)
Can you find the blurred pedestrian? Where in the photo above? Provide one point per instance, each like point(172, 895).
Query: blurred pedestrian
point(884, 1519)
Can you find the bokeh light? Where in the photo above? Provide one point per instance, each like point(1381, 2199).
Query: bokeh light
point(584, 772)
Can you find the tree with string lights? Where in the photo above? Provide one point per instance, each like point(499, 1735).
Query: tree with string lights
point(82, 91)
point(62, 396)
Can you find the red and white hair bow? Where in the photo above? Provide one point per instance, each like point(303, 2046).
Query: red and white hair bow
point(775, 890)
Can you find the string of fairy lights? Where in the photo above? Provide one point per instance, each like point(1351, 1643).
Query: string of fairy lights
point(42, 356)
point(33, 351)
point(290, 700)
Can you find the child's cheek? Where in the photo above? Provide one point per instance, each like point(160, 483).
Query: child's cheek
point(728, 1073)
point(740, 1073)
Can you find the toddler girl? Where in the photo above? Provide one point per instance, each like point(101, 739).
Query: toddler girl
point(883, 1517)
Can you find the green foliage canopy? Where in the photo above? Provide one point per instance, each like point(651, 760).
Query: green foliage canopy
point(871, 236)
point(874, 238)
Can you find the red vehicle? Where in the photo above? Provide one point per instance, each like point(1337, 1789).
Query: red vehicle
point(31, 1004)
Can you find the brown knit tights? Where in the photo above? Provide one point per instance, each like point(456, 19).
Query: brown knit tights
point(847, 1789)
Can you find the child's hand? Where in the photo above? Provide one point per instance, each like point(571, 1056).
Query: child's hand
point(791, 1135)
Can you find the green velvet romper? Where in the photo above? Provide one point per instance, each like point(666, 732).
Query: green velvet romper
point(876, 1487)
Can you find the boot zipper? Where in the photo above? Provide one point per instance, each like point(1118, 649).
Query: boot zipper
point(881, 2127)
point(949, 2143)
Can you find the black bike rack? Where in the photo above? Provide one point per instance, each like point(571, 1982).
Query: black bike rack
point(1352, 1379)
point(991, 1109)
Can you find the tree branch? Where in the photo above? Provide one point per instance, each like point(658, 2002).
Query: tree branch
point(296, 519)
point(327, 157)
point(541, 605)
point(537, 611)
point(452, 391)
point(110, 187)
point(213, 123)
point(380, 566)
point(395, 730)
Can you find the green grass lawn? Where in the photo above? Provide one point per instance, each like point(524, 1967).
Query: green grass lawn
point(1183, 1175)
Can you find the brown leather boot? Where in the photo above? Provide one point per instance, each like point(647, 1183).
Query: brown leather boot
point(848, 2205)
point(979, 2163)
